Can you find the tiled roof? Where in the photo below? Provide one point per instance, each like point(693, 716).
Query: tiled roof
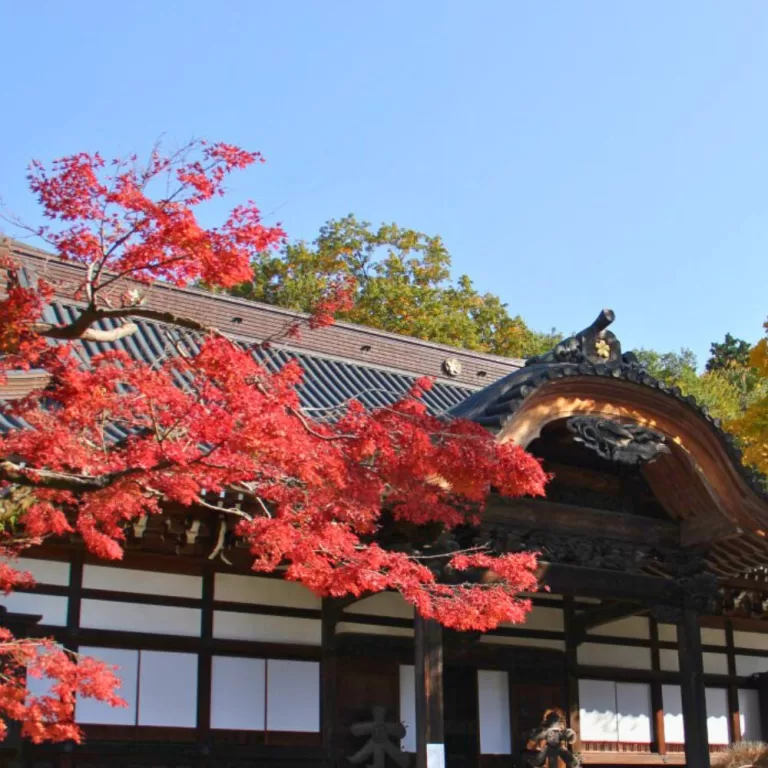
point(340, 363)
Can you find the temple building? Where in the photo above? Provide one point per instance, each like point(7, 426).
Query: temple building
point(649, 643)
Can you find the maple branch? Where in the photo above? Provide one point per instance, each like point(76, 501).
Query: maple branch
point(81, 327)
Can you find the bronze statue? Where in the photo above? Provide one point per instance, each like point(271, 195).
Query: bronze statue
point(548, 743)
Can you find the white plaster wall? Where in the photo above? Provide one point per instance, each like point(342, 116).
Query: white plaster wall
point(382, 604)
point(235, 588)
point(751, 665)
point(168, 689)
point(274, 629)
point(136, 617)
point(53, 572)
point(635, 627)
point(142, 582)
point(598, 655)
point(542, 618)
point(346, 627)
point(715, 663)
point(527, 642)
point(52, 608)
point(757, 641)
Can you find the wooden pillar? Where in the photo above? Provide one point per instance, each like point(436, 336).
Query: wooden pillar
point(430, 737)
point(572, 641)
point(734, 716)
point(692, 685)
point(657, 698)
point(328, 677)
point(205, 666)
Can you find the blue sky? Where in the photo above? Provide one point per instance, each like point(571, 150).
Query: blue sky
point(573, 155)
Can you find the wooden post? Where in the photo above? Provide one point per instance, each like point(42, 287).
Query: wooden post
point(572, 640)
point(328, 677)
point(430, 736)
point(692, 685)
point(657, 699)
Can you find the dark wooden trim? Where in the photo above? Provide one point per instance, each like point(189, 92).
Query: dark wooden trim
point(573, 715)
point(329, 676)
point(75, 595)
point(692, 688)
point(657, 698)
point(428, 651)
point(205, 660)
point(734, 718)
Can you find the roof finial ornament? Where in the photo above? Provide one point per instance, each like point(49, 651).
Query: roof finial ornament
point(595, 344)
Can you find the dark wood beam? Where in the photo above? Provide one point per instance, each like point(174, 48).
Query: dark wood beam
point(607, 585)
point(430, 734)
point(692, 689)
point(548, 515)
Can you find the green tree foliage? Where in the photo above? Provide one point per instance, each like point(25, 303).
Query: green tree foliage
point(402, 282)
point(731, 353)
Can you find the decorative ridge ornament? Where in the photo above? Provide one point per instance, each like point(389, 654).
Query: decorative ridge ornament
point(623, 443)
point(584, 354)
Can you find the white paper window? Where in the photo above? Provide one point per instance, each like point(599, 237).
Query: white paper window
point(136, 617)
point(144, 582)
point(168, 689)
point(597, 700)
point(749, 715)
point(493, 712)
point(717, 715)
point(293, 696)
point(238, 690)
point(633, 704)
point(408, 706)
point(672, 699)
point(94, 711)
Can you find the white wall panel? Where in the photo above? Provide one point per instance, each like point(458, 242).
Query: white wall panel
point(135, 617)
point(717, 715)
point(749, 715)
point(751, 665)
point(672, 700)
point(273, 629)
point(715, 663)
point(528, 642)
point(712, 636)
point(542, 617)
point(635, 627)
point(757, 641)
point(168, 689)
point(633, 703)
point(238, 688)
point(293, 696)
point(493, 712)
point(52, 608)
point(597, 701)
point(668, 633)
point(93, 711)
point(347, 627)
point(669, 660)
point(142, 582)
point(234, 588)
point(383, 604)
point(44, 571)
point(598, 655)
point(408, 706)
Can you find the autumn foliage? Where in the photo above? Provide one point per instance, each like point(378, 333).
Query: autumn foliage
point(109, 443)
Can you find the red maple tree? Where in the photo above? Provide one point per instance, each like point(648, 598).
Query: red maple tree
point(105, 444)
